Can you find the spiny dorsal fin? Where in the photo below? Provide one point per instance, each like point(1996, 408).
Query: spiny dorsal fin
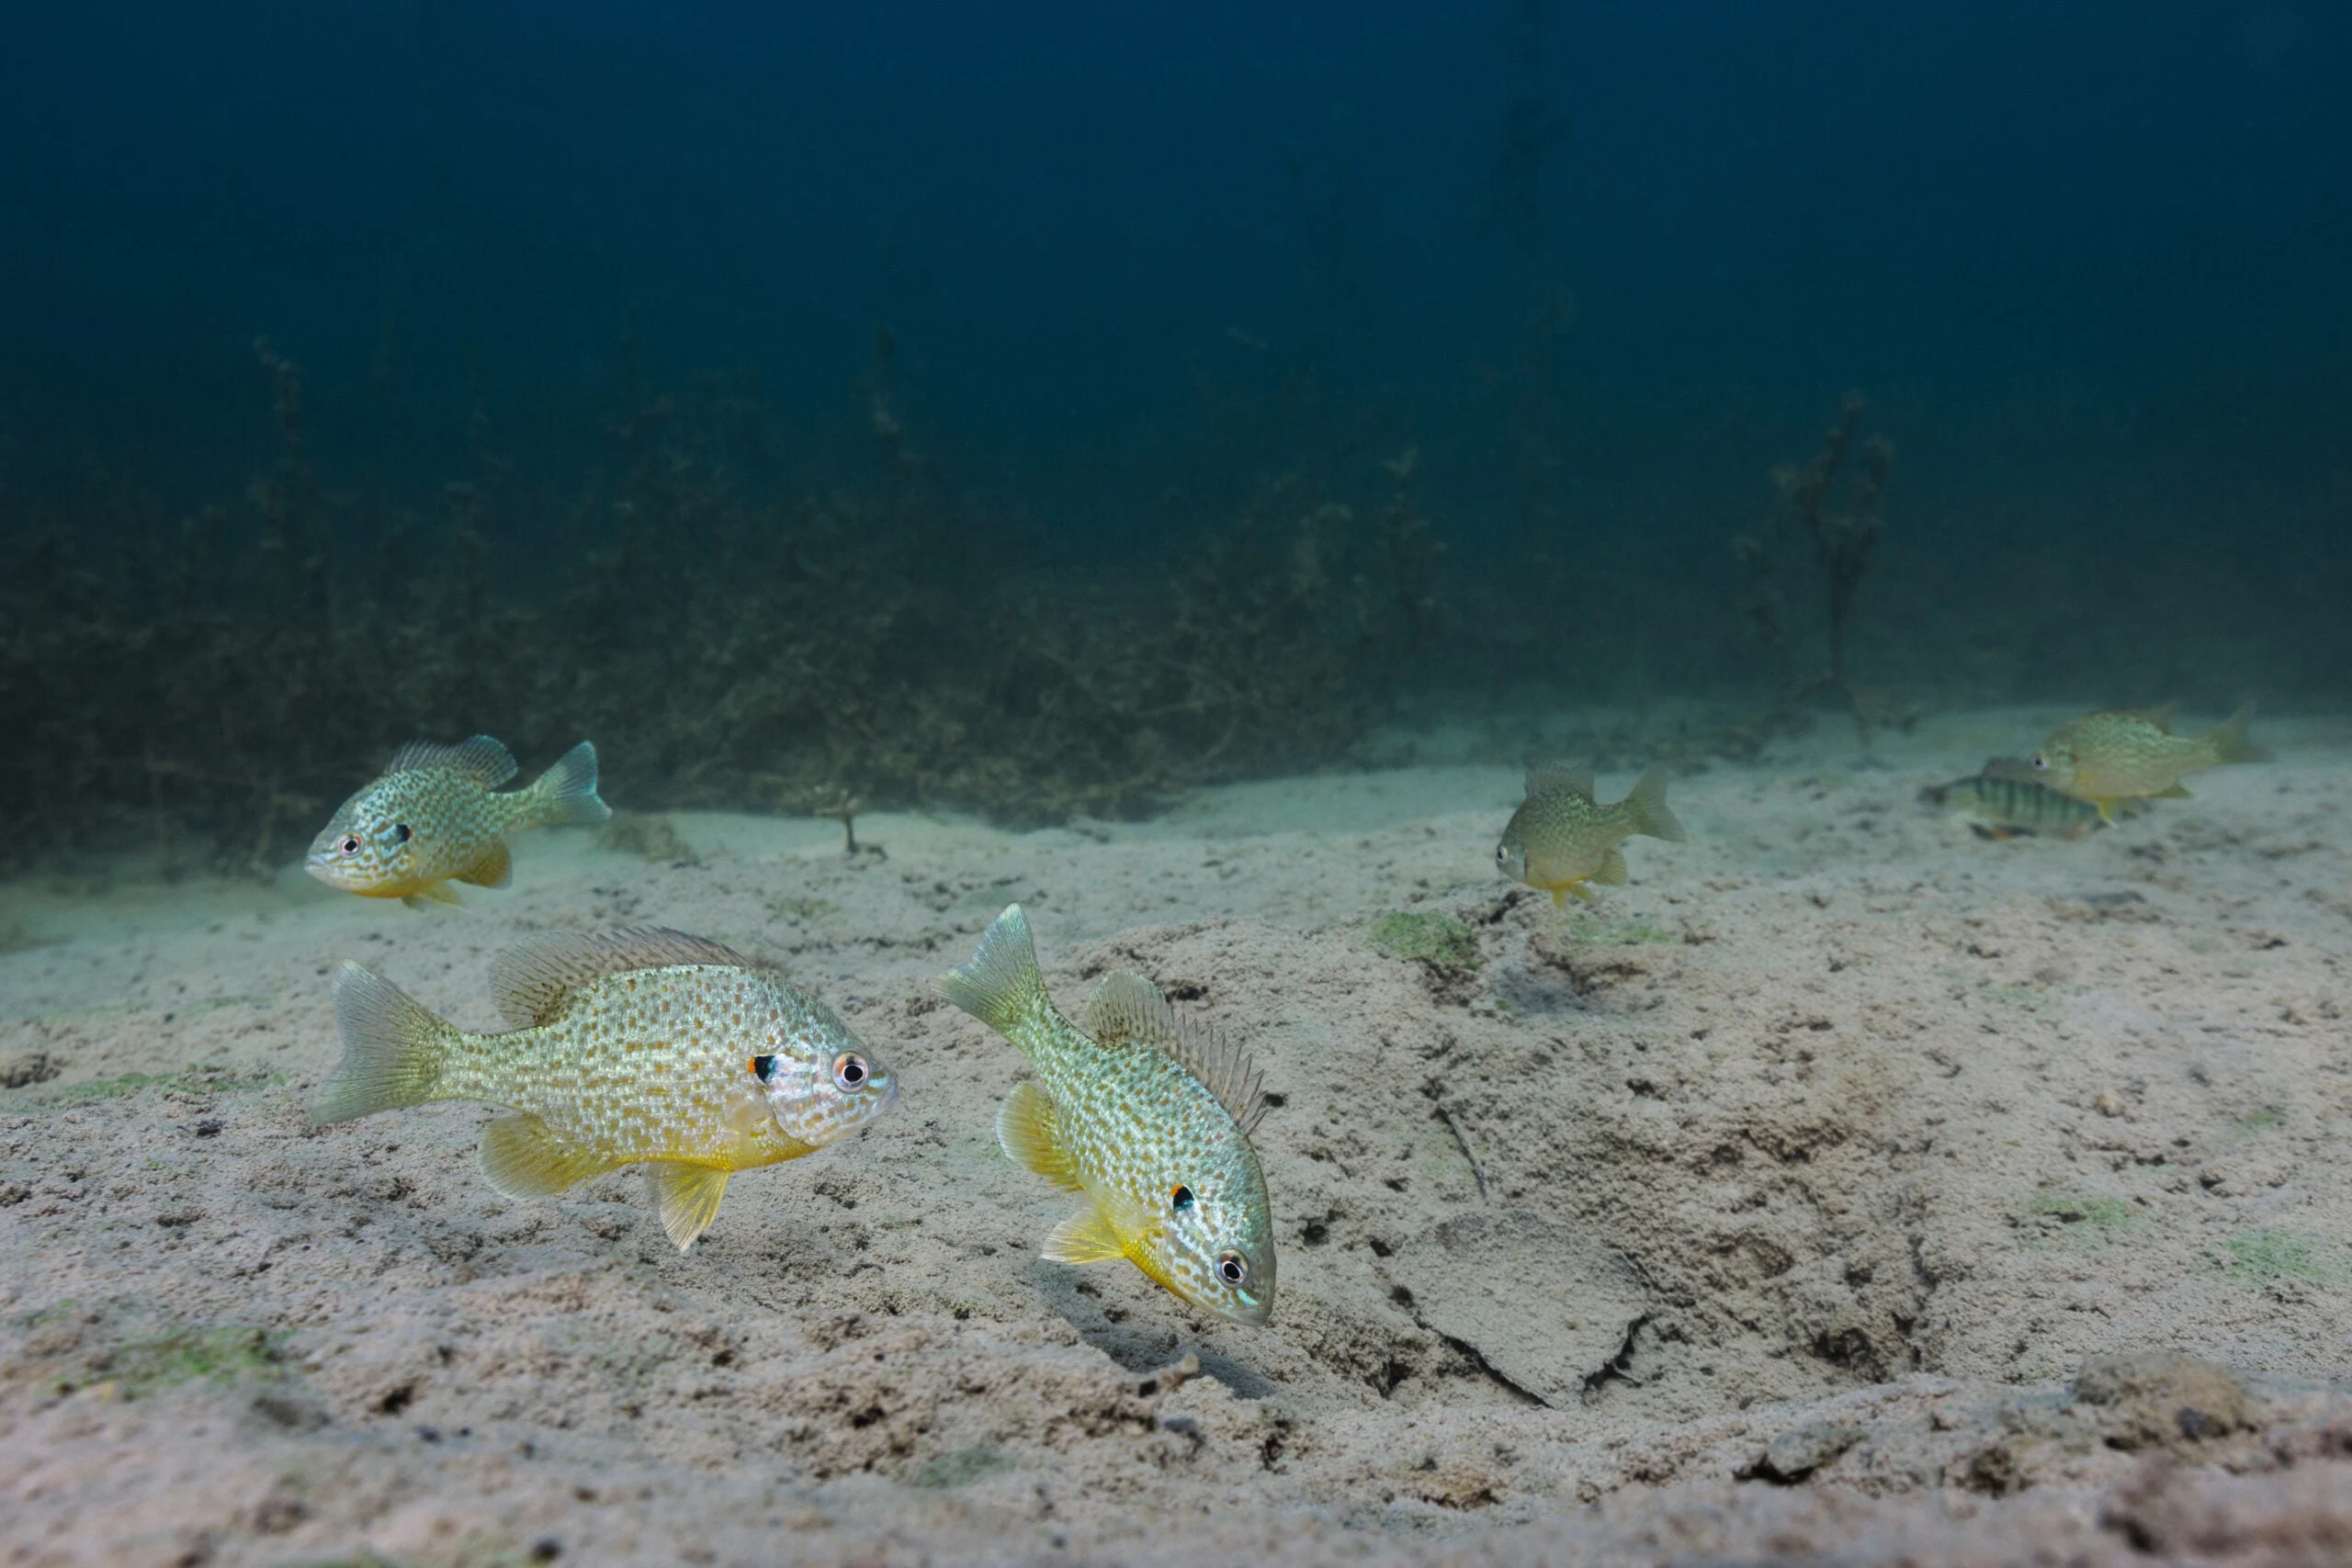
point(1573, 777)
point(1128, 1007)
point(536, 977)
point(482, 760)
point(687, 1197)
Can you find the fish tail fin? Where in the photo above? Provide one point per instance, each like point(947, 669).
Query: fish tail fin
point(392, 1049)
point(1647, 801)
point(566, 793)
point(2231, 743)
point(1001, 986)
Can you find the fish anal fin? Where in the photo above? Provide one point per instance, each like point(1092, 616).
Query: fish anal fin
point(524, 1158)
point(434, 893)
point(1084, 1237)
point(2177, 792)
point(1127, 1007)
point(533, 980)
point(1026, 1130)
point(482, 758)
point(687, 1197)
point(495, 868)
point(1573, 777)
point(1613, 869)
point(1579, 888)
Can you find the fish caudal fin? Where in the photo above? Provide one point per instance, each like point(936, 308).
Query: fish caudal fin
point(566, 793)
point(392, 1049)
point(1001, 985)
point(1026, 1130)
point(687, 1197)
point(2230, 743)
point(1647, 800)
point(1085, 1237)
point(523, 1158)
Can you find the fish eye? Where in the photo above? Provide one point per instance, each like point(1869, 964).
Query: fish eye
point(764, 1069)
point(350, 844)
point(849, 1072)
point(1501, 853)
point(1233, 1268)
point(2041, 760)
point(1181, 1200)
point(400, 833)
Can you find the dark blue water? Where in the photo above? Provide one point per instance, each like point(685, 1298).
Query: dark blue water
point(2087, 263)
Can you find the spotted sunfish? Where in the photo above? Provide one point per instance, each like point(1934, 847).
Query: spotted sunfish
point(2105, 758)
point(432, 819)
point(1560, 838)
point(1145, 1113)
point(640, 1047)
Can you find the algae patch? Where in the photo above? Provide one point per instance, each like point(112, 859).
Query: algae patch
point(1440, 941)
point(2081, 1221)
point(2259, 1257)
point(961, 1468)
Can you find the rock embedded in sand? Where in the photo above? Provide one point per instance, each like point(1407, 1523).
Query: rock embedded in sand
point(1547, 1309)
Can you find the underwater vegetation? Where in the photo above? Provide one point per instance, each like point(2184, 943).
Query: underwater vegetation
point(222, 681)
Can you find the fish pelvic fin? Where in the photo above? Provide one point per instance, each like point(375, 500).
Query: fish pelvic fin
point(566, 793)
point(1027, 1130)
point(2231, 743)
point(1086, 1236)
point(1001, 986)
point(524, 1157)
point(1646, 805)
point(1613, 869)
point(392, 1049)
point(495, 868)
point(687, 1197)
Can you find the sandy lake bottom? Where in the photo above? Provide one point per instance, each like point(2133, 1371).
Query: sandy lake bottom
point(1847, 1188)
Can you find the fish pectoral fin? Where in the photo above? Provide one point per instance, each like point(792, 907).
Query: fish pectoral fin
point(1613, 869)
point(1026, 1130)
point(524, 1157)
point(687, 1196)
point(1085, 1237)
point(434, 893)
point(494, 869)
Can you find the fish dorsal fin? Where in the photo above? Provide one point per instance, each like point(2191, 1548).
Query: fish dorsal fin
point(524, 1158)
point(1128, 1007)
point(2013, 769)
point(1086, 1236)
point(1027, 1130)
point(687, 1197)
point(1573, 777)
point(482, 760)
point(535, 978)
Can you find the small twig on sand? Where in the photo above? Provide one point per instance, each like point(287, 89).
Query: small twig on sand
point(1464, 1143)
point(839, 804)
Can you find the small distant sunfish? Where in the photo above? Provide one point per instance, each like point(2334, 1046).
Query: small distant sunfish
point(2109, 757)
point(1560, 838)
point(1145, 1113)
point(641, 1047)
point(433, 818)
point(2010, 798)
